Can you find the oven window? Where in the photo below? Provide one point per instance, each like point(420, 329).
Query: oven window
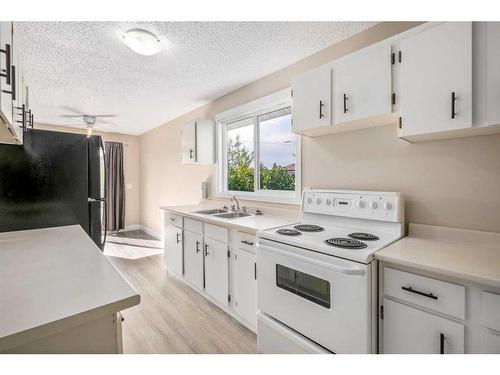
point(306, 286)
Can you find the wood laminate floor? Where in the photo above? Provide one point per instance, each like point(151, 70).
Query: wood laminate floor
point(171, 318)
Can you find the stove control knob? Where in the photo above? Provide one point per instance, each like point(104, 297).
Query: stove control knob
point(360, 204)
point(328, 201)
point(373, 205)
point(387, 206)
point(309, 200)
point(318, 201)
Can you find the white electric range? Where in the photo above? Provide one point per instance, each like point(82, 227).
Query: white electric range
point(317, 281)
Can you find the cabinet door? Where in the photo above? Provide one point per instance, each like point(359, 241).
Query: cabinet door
point(362, 84)
point(245, 285)
point(408, 330)
point(312, 100)
point(205, 141)
point(193, 259)
point(189, 143)
point(17, 110)
point(5, 98)
point(173, 249)
point(493, 72)
point(216, 270)
point(434, 79)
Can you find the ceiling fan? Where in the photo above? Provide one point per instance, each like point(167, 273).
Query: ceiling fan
point(88, 121)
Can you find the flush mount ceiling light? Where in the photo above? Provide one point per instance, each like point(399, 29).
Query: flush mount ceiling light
point(142, 42)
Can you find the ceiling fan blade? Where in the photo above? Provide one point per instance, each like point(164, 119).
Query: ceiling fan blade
point(71, 116)
point(71, 109)
point(104, 115)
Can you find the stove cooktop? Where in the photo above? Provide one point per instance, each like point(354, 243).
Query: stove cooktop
point(357, 245)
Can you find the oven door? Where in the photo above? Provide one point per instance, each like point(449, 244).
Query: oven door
point(324, 298)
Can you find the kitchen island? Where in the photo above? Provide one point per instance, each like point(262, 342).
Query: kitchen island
point(59, 294)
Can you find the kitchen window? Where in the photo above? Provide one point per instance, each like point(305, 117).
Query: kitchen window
point(259, 155)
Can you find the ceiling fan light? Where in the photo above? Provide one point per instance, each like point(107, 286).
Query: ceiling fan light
point(142, 42)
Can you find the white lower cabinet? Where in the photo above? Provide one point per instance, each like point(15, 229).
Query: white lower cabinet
point(217, 270)
point(245, 288)
point(409, 330)
point(193, 259)
point(201, 254)
point(173, 256)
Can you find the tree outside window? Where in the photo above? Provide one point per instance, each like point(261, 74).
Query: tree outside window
point(276, 147)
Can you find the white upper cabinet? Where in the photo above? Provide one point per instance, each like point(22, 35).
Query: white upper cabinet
point(312, 99)
point(6, 81)
point(350, 93)
point(433, 80)
point(362, 86)
point(493, 72)
point(198, 142)
point(18, 111)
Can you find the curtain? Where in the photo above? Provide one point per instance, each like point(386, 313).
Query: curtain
point(115, 186)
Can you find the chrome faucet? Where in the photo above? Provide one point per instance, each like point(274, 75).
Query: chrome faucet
point(233, 198)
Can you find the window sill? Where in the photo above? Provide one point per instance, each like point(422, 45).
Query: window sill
point(246, 196)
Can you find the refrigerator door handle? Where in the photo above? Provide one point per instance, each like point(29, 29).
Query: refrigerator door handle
point(105, 201)
point(105, 222)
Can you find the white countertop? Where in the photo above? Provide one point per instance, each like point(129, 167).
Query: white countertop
point(53, 279)
point(272, 217)
point(465, 254)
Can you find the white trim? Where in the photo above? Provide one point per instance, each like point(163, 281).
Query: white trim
point(269, 103)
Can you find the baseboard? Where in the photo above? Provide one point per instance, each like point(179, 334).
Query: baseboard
point(151, 232)
point(148, 230)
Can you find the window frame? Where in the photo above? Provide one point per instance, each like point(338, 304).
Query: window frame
point(278, 100)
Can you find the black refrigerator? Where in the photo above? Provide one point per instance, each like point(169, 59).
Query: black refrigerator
point(54, 179)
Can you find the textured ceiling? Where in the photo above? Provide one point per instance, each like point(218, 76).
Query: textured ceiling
point(85, 67)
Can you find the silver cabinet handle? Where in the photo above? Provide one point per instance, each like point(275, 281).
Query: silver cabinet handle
point(177, 237)
point(206, 250)
point(247, 242)
point(197, 247)
point(321, 105)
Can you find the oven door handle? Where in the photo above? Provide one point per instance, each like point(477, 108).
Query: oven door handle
point(354, 271)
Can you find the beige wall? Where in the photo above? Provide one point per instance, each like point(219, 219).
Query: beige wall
point(453, 182)
point(131, 156)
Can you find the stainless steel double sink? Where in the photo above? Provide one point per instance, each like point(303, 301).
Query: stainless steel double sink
point(223, 214)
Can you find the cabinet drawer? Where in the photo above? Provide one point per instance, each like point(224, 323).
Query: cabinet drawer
point(275, 338)
point(216, 233)
point(247, 242)
point(424, 291)
point(407, 330)
point(490, 306)
point(194, 226)
point(490, 343)
point(173, 219)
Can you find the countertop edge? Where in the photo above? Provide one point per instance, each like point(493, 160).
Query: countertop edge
point(474, 278)
point(31, 334)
